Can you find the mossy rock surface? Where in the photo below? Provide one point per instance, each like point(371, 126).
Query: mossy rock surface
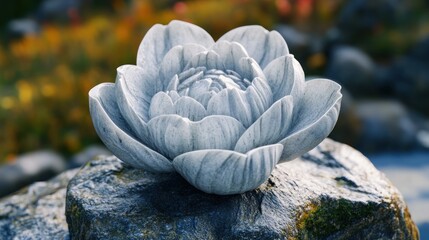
point(333, 192)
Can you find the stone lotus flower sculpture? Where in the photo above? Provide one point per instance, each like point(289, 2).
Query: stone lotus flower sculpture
point(222, 114)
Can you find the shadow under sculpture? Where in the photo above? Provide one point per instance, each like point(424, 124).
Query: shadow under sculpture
point(222, 114)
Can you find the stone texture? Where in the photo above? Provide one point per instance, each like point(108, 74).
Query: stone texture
point(36, 212)
point(333, 192)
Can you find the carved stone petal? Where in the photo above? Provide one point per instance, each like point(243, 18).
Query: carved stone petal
point(175, 61)
point(262, 45)
point(208, 59)
point(161, 104)
point(230, 53)
point(263, 90)
point(245, 106)
point(116, 135)
point(173, 135)
point(201, 92)
point(248, 68)
point(172, 84)
point(285, 77)
point(231, 102)
point(270, 128)
point(227, 172)
point(174, 95)
point(134, 90)
point(161, 38)
point(188, 107)
point(314, 118)
point(185, 106)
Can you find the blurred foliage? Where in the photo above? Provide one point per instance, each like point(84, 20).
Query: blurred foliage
point(45, 77)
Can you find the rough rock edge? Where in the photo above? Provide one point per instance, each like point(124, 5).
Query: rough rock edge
point(37, 211)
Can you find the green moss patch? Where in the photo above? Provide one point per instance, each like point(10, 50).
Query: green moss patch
point(324, 219)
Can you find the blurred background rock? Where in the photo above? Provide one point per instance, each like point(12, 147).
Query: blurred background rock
point(53, 52)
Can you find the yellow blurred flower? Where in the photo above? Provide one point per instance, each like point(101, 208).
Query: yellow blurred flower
point(52, 37)
point(25, 92)
point(7, 102)
point(48, 90)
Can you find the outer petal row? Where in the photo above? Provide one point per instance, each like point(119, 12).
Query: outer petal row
point(270, 128)
point(160, 39)
point(285, 77)
point(314, 118)
point(226, 172)
point(134, 90)
point(115, 134)
point(298, 126)
point(173, 135)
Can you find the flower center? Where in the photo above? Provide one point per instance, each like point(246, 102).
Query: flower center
point(201, 84)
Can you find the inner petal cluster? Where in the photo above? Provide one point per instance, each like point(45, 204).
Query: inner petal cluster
point(222, 80)
point(202, 84)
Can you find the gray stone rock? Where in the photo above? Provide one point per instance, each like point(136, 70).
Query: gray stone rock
point(87, 154)
point(385, 125)
point(408, 77)
point(409, 172)
point(380, 125)
point(353, 69)
point(29, 168)
point(19, 28)
point(36, 212)
point(333, 192)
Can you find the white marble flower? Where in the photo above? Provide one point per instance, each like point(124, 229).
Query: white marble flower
point(222, 114)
